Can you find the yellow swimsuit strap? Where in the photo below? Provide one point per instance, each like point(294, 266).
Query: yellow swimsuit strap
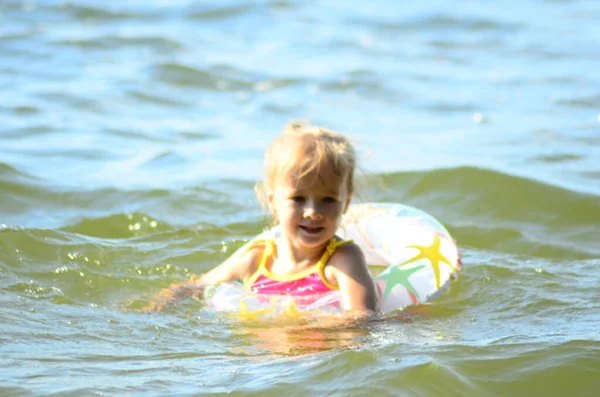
point(320, 265)
point(268, 251)
point(329, 251)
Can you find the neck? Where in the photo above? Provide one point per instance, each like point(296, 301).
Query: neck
point(297, 255)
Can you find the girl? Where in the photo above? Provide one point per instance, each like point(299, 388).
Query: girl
point(308, 186)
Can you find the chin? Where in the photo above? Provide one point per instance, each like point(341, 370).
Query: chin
point(313, 241)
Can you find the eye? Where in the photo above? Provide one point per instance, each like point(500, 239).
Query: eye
point(330, 199)
point(297, 199)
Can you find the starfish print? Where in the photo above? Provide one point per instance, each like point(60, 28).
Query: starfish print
point(255, 314)
point(292, 310)
point(435, 257)
point(289, 309)
point(397, 276)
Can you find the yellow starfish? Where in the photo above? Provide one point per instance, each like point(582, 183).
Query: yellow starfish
point(434, 255)
point(289, 309)
point(292, 310)
point(248, 314)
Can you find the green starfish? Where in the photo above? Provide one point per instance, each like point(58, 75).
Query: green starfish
point(396, 276)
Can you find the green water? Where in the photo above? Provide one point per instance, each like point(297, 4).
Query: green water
point(132, 135)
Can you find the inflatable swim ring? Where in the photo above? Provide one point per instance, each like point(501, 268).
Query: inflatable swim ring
point(410, 254)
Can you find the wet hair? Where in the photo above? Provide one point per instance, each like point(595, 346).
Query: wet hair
point(305, 150)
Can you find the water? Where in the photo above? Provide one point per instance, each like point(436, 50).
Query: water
point(131, 136)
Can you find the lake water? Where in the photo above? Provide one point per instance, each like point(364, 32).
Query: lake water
point(133, 132)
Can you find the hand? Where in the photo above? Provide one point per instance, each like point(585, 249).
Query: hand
point(174, 293)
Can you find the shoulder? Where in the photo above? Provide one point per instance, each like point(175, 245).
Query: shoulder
point(347, 253)
point(348, 259)
point(253, 253)
point(256, 247)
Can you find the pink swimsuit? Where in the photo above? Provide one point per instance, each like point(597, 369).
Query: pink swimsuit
point(311, 281)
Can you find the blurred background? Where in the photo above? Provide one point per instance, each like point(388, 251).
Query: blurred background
point(132, 135)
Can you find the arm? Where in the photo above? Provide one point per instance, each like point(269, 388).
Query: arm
point(237, 267)
point(348, 269)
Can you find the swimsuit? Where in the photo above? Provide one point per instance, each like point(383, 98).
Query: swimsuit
point(308, 282)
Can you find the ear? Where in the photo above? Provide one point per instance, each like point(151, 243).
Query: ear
point(270, 203)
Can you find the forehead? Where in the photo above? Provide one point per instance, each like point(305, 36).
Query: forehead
point(323, 180)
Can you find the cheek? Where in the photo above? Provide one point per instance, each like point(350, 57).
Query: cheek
point(335, 211)
point(288, 209)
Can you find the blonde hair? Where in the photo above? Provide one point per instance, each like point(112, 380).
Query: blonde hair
point(304, 150)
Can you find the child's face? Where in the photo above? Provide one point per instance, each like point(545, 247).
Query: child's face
point(309, 210)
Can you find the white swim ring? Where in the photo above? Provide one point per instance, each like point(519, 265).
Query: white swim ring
point(411, 255)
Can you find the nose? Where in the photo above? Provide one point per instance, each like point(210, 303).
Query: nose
point(311, 210)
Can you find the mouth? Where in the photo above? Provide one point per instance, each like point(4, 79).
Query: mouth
point(311, 229)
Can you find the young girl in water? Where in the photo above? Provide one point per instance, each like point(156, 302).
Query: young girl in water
point(308, 186)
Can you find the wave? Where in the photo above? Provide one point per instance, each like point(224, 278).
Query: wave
point(30, 202)
point(489, 209)
point(484, 209)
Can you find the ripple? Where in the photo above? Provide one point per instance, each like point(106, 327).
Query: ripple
point(558, 158)
point(30, 131)
point(117, 226)
point(24, 110)
point(189, 76)
point(87, 13)
point(216, 13)
point(18, 35)
point(112, 43)
point(460, 45)
point(445, 23)
point(165, 159)
point(154, 98)
point(583, 102)
point(363, 82)
point(591, 174)
point(451, 107)
point(543, 370)
point(73, 100)
point(10, 173)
